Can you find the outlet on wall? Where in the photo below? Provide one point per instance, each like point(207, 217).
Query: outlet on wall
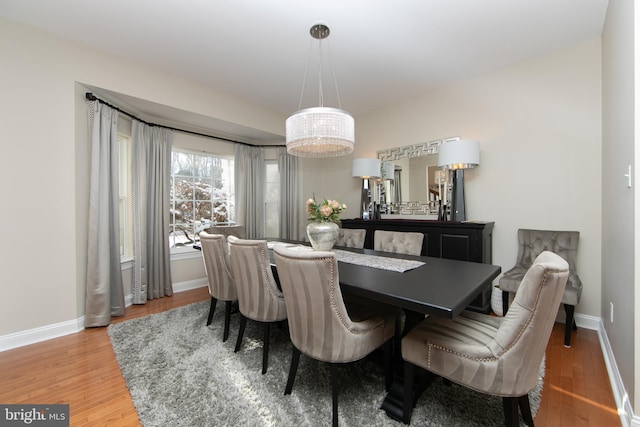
point(611, 311)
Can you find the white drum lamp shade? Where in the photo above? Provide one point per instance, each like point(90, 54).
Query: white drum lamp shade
point(460, 154)
point(365, 168)
point(320, 132)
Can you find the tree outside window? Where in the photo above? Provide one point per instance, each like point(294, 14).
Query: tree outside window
point(202, 195)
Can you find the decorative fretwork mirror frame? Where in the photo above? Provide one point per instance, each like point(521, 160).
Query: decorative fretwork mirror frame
point(426, 207)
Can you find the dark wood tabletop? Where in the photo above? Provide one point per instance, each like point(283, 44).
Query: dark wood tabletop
point(440, 287)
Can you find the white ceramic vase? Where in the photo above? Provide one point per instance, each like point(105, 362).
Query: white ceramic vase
point(322, 235)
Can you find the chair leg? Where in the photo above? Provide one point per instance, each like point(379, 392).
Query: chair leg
point(334, 393)
point(510, 406)
point(212, 309)
point(227, 320)
point(525, 410)
point(407, 404)
point(569, 325)
point(243, 324)
point(505, 302)
point(265, 348)
point(295, 358)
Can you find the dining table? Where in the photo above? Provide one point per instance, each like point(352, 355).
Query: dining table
point(433, 286)
point(419, 285)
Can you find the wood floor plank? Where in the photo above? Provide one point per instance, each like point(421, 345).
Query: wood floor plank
point(81, 370)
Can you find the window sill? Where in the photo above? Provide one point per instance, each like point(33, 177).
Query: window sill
point(126, 263)
point(184, 252)
point(177, 254)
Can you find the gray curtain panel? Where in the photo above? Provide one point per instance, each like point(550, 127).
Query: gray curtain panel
point(249, 188)
point(104, 291)
point(290, 204)
point(151, 191)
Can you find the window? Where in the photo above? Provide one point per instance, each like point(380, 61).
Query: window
point(202, 194)
point(125, 202)
point(272, 199)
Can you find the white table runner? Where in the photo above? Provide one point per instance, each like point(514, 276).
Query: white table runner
point(374, 261)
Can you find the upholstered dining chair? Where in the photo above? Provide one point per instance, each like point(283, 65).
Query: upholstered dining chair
point(500, 356)
point(259, 298)
point(321, 325)
point(530, 244)
point(351, 238)
point(401, 242)
point(221, 284)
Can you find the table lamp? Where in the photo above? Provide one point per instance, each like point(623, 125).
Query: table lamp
point(458, 155)
point(365, 168)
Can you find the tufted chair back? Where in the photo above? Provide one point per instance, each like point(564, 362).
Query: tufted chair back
point(397, 241)
point(351, 238)
point(530, 244)
point(494, 355)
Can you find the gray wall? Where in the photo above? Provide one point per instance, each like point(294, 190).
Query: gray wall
point(618, 210)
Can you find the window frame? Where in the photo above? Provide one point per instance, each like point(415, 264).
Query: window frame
point(229, 200)
point(125, 196)
point(271, 208)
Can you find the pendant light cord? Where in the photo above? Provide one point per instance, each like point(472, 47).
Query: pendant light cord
point(320, 93)
point(306, 72)
point(333, 72)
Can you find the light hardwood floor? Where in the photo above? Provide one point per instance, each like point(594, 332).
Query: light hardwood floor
point(81, 370)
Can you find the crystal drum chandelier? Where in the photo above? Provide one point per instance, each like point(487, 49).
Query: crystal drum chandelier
point(320, 131)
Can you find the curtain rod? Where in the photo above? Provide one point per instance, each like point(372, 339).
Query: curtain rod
point(91, 97)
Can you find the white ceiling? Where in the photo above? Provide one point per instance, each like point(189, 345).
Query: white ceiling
point(382, 51)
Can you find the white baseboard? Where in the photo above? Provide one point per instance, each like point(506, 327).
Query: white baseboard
point(32, 336)
point(190, 284)
point(588, 322)
point(625, 409)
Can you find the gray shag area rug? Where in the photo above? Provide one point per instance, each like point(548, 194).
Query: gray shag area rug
point(180, 373)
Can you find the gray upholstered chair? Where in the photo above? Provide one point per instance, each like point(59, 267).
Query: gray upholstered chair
point(351, 238)
point(500, 356)
point(221, 284)
point(321, 324)
point(530, 244)
point(259, 298)
point(398, 241)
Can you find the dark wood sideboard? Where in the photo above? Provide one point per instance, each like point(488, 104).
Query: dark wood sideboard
point(465, 241)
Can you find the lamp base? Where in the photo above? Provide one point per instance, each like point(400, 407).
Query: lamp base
point(458, 210)
point(365, 200)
